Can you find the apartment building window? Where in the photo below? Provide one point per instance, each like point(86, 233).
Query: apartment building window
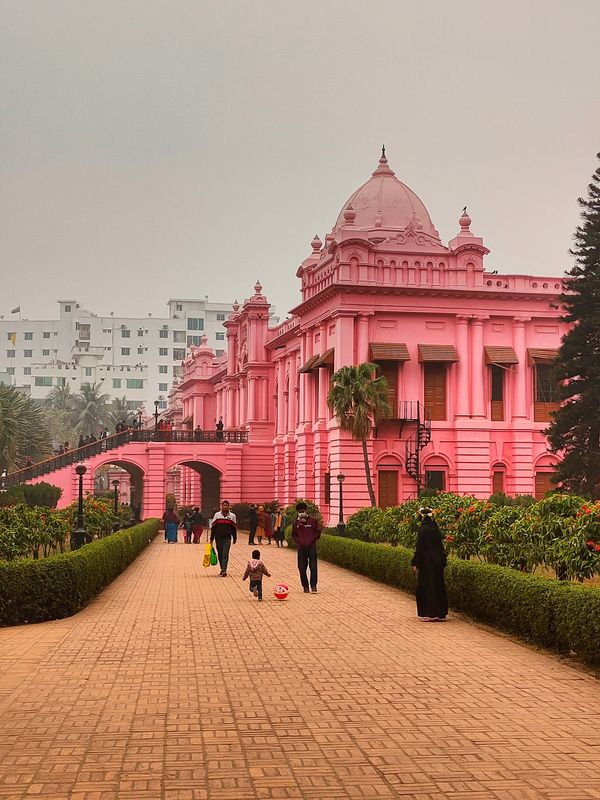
point(45, 352)
point(125, 334)
point(177, 372)
point(135, 383)
point(10, 353)
point(163, 387)
point(163, 369)
point(67, 309)
point(46, 334)
point(220, 317)
point(28, 336)
point(28, 353)
point(106, 330)
point(11, 335)
point(61, 381)
point(178, 353)
point(10, 370)
point(193, 340)
point(133, 405)
point(42, 380)
point(26, 370)
point(178, 307)
point(162, 404)
point(140, 332)
point(163, 351)
point(88, 372)
point(195, 324)
point(125, 351)
point(179, 336)
point(220, 336)
point(116, 383)
point(163, 333)
point(219, 353)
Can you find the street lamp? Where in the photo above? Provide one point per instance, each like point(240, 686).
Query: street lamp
point(341, 526)
point(156, 415)
point(116, 525)
point(140, 419)
point(132, 518)
point(79, 534)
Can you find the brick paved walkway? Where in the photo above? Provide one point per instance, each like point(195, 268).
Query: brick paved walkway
point(176, 684)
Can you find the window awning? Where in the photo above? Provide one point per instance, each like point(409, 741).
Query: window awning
point(538, 355)
point(437, 352)
point(326, 360)
point(500, 355)
point(381, 351)
point(310, 364)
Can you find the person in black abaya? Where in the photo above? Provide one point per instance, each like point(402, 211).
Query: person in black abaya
point(428, 563)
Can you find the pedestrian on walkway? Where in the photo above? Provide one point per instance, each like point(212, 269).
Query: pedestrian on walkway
point(223, 529)
point(263, 527)
point(196, 520)
point(252, 522)
point(306, 531)
point(171, 521)
point(186, 524)
point(278, 526)
point(255, 569)
point(429, 563)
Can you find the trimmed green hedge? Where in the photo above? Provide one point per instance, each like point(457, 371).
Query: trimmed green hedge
point(59, 586)
point(555, 614)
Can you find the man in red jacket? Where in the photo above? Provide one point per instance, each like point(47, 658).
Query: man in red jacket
point(305, 532)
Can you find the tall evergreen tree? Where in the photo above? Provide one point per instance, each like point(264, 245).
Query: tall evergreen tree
point(23, 432)
point(575, 430)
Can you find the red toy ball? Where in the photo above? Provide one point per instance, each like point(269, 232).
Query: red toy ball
point(281, 591)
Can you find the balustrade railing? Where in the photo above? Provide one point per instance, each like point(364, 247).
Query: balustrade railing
point(115, 441)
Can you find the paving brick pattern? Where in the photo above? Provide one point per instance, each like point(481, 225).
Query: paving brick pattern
point(176, 684)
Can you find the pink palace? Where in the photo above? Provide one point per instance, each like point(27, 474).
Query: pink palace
point(466, 354)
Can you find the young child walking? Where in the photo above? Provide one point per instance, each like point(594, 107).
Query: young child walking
point(255, 569)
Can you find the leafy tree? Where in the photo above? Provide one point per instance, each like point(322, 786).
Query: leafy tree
point(575, 429)
point(90, 409)
point(61, 398)
point(358, 400)
point(23, 432)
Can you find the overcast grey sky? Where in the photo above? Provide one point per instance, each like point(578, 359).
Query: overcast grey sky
point(159, 149)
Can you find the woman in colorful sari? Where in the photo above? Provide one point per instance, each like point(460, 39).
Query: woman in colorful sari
point(171, 521)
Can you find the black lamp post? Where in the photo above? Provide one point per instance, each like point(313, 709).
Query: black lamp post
point(341, 526)
point(116, 525)
point(79, 535)
point(132, 518)
point(140, 419)
point(156, 415)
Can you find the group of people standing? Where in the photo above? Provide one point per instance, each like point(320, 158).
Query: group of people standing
point(265, 524)
point(428, 562)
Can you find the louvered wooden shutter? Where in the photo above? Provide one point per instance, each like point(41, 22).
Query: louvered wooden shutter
point(435, 390)
point(543, 484)
point(388, 488)
point(389, 370)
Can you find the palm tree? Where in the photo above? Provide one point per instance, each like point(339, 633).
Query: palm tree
point(118, 411)
point(90, 409)
point(23, 432)
point(61, 398)
point(358, 400)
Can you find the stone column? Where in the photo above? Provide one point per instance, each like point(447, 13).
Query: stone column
point(231, 347)
point(362, 338)
point(280, 430)
point(265, 405)
point(477, 388)
point(463, 392)
point(520, 375)
point(251, 383)
point(344, 340)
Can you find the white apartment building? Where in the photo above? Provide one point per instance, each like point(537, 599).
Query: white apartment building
point(136, 358)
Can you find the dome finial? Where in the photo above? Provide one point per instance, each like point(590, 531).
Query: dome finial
point(382, 167)
point(383, 151)
point(465, 221)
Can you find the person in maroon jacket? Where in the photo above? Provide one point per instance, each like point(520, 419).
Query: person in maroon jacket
point(305, 532)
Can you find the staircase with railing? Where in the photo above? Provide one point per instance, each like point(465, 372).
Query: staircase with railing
point(419, 439)
point(114, 442)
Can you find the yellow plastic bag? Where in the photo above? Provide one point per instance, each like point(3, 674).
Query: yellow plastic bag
point(207, 552)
